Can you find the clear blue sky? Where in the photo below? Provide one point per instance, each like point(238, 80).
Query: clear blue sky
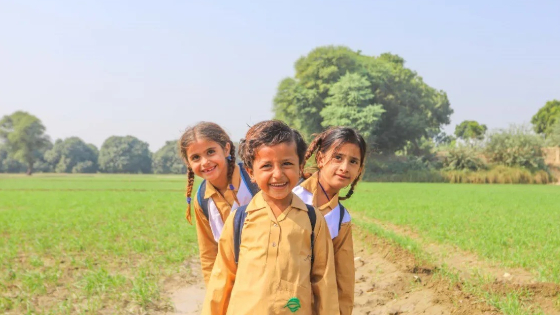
point(151, 68)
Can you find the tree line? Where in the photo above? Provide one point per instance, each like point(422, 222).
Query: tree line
point(389, 104)
point(25, 147)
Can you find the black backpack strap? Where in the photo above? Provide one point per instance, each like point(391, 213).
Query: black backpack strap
point(238, 221)
point(253, 188)
point(342, 211)
point(313, 219)
point(203, 202)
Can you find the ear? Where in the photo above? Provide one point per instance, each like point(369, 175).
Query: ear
point(250, 171)
point(320, 160)
point(227, 148)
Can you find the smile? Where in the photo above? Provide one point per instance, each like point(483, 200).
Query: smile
point(279, 185)
point(209, 170)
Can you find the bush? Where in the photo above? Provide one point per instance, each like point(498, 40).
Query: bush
point(85, 167)
point(463, 158)
point(499, 175)
point(516, 146)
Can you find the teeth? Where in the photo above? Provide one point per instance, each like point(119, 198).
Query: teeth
point(278, 185)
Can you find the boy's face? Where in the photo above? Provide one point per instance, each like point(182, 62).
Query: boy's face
point(207, 159)
point(276, 170)
point(339, 169)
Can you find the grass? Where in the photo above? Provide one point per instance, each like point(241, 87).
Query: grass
point(515, 225)
point(86, 244)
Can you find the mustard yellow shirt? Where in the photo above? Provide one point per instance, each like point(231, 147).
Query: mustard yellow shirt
point(274, 265)
point(207, 245)
point(343, 246)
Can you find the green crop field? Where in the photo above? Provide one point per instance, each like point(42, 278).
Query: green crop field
point(76, 244)
point(515, 225)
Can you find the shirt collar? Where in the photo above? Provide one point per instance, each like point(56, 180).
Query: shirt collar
point(258, 203)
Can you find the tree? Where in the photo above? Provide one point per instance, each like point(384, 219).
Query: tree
point(470, 130)
point(411, 107)
point(72, 155)
point(349, 104)
point(546, 117)
point(8, 164)
point(24, 137)
point(125, 155)
point(553, 138)
point(167, 160)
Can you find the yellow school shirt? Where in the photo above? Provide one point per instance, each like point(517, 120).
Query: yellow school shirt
point(274, 265)
point(208, 246)
point(343, 246)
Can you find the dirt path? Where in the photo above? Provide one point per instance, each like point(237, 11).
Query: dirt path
point(388, 281)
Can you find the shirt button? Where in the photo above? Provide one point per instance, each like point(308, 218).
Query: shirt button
point(273, 244)
point(275, 225)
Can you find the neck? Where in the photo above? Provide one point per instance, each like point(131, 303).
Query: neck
point(321, 182)
point(221, 183)
point(278, 205)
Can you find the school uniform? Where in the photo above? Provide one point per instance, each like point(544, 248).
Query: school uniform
point(209, 229)
point(274, 265)
point(343, 245)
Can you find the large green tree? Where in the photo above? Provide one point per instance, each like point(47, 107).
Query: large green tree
point(125, 155)
point(24, 138)
point(546, 117)
point(411, 108)
point(72, 155)
point(470, 130)
point(349, 104)
point(167, 160)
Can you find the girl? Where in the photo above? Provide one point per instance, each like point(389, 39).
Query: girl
point(275, 255)
point(340, 159)
point(209, 153)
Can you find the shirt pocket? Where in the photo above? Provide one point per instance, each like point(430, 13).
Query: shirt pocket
point(292, 296)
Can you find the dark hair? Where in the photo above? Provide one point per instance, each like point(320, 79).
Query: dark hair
point(209, 131)
point(270, 133)
point(336, 137)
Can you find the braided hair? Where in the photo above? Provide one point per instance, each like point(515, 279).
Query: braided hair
point(212, 132)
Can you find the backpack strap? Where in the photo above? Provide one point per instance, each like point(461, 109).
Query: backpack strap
point(203, 202)
point(238, 221)
point(301, 180)
point(253, 188)
point(342, 211)
point(312, 219)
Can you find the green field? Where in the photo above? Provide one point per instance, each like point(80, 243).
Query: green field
point(81, 243)
point(75, 244)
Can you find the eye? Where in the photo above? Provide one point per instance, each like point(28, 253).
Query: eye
point(265, 166)
point(355, 161)
point(288, 163)
point(211, 151)
point(338, 157)
point(195, 158)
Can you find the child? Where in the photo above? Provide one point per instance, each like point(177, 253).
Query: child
point(209, 153)
point(340, 159)
point(275, 255)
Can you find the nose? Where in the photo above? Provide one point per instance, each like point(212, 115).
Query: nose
point(344, 166)
point(204, 161)
point(277, 172)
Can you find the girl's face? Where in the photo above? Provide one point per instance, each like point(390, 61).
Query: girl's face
point(276, 170)
point(208, 159)
point(339, 169)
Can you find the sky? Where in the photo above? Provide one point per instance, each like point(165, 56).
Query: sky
point(150, 69)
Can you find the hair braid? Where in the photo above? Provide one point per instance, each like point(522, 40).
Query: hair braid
point(315, 145)
point(190, 183)
point(351, 191)
point(231, 163)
